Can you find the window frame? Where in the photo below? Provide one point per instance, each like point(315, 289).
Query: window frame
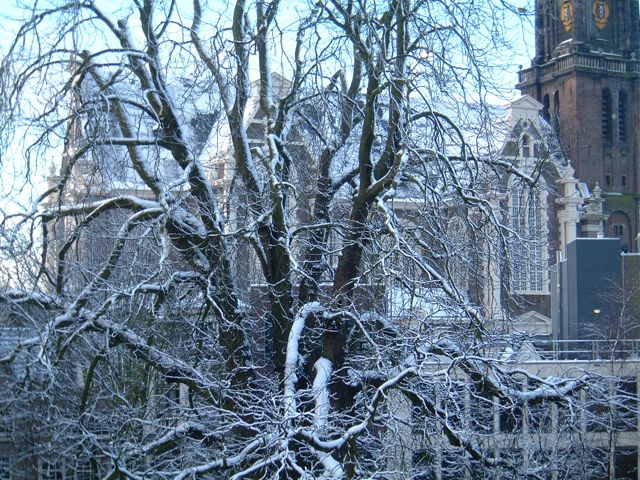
point(530, 230)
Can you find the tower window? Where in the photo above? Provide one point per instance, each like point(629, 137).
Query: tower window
point(606, 115)
point(618, 230)
point(624, 180)
point(607, 179)
point(545, 110)
point(622, 116)
point(556, 109)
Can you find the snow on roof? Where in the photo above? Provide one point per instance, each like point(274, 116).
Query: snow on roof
point(533, 323)
point(10, 337)
point(584, 190)
point(427, 303)
point(107, 166)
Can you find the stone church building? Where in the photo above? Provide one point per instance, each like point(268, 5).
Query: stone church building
point(581, 110)
point(586, 75)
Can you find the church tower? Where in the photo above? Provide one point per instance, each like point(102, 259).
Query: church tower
point(586, 74)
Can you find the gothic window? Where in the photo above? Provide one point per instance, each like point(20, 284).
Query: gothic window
point(606, 115)
point(622, 116)
point(618, 230)
point(528, 223)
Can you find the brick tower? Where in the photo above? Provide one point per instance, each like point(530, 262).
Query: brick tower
point(586, 74)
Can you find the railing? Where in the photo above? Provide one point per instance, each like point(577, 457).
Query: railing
point(587, 349)
point(590, 61)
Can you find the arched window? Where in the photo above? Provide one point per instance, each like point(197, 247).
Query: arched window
point(606, 116)
point(545, 110)
point(619, 226)
point(528, 219)
point(622, 116)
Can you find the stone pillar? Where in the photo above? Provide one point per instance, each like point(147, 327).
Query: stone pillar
point(492, 292)
point(568, 203)
point(593, 216)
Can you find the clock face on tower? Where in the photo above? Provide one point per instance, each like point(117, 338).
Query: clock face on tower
point(601, 13)
point(566, 15)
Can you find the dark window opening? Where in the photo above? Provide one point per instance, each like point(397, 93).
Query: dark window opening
point(597, 463)
point(453, 464)
point(526, 147)
point(540, 417)
point(598, 415)
point(626, 463)
point(556, 109)
point(511, 456)
point(618, 230)
point(626, 396)
point(607, 179)
point(425, 464)
point(480, 410)
point(5, 468)
point(567, 415)
point(624, 180)
point(510, 418)
point(622, 116)
point(606, 116)
point(545, 111)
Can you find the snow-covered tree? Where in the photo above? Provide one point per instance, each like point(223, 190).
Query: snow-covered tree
point(274, 245)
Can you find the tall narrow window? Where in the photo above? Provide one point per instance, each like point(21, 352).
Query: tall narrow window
point(622, 116)
point(556, 109)
point(545, 109)
point(528, 216)
point(606, 115)
point(618, 230)
point(525, 143)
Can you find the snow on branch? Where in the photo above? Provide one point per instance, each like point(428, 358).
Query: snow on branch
point(293, 357)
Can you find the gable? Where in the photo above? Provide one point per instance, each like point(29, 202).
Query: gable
point(533, 323)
